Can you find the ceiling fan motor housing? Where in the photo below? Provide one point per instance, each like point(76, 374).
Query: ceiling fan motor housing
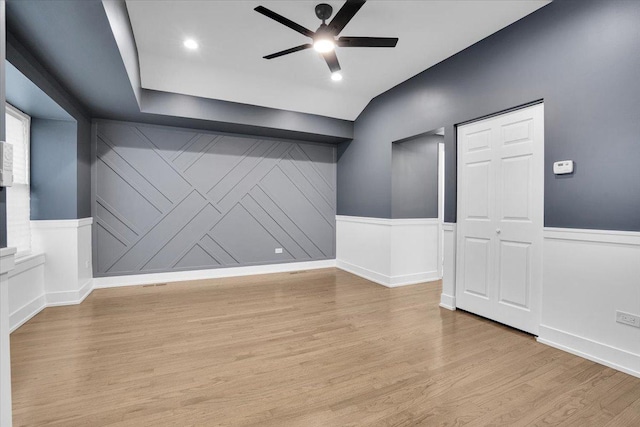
point(324, 11)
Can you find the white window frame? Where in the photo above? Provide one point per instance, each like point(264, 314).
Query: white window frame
point(26, 120)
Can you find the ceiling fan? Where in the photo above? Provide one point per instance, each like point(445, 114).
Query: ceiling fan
point(325, 39)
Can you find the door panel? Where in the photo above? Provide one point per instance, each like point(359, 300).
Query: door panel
point(478, 190)
point(476, 267)
point(515, 273)
point(517, 132)
point(500, 217)
point(478, 140)
point(516, 188)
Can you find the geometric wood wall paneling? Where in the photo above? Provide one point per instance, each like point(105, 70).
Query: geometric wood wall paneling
point(172, 199)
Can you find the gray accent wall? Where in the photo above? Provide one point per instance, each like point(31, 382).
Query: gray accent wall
point(168, 199)
point(580, 57)
point(414, 177)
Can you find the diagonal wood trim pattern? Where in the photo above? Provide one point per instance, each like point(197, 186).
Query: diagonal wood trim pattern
point(169, 199)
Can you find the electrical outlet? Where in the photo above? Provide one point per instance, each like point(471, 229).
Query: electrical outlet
point(86, 264)
point(628, 319)
point(278, 250)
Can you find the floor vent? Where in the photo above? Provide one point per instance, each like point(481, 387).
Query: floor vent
point(298, 272)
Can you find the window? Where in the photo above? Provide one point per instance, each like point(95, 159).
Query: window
point(18, 199)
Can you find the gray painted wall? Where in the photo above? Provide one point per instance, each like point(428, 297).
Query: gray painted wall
point(176, 199)
point(25, 95)
point(414, 177)
point(60, 153)
point(53, 169)
point(28, 67)
point(580, 57)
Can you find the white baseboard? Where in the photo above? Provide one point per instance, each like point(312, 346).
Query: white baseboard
point(388, 281)
point(597, 352)
point(363, 272)
point(55, 299)
point(26, 312)
point(412, 279)
point(448, 302)
point(217, 273)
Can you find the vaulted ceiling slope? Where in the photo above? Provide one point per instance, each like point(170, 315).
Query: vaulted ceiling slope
point(73, 41)
point(226, 85)
point(233, 39)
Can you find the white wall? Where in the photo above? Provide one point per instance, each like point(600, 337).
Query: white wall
point(588, 275)
point(391, 252)
point(57, 273)
point(67, 248)
point(448, 297)
point(6, 265)
point(27, 294)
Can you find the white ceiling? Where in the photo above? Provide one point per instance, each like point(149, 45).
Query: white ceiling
point(233, 39)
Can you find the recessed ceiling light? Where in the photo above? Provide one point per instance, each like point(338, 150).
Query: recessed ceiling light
point(336, 77)
point(191, 44)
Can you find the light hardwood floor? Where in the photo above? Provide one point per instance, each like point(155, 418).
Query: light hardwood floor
point(318, 348)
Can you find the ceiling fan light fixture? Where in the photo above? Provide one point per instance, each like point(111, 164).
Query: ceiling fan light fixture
point(336, 77)
point(327, 38)
point(190, 44)
point(324, 45)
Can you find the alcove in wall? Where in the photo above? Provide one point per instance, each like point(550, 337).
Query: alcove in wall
point(414, 177)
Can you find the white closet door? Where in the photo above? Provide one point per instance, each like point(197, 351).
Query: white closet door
point(500, 217)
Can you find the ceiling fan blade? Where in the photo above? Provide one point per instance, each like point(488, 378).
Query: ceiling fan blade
point(284, 21)
point(288, 51)
point(332, 61)
point(367, 41)
point(344, 15)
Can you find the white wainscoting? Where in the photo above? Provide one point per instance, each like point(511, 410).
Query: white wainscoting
point(588, 275)
point(59, 272)
point(7, 264)
point(214, 273)
point(67, 248)
point(448, 297)
point(27, 294)
point(390, 252)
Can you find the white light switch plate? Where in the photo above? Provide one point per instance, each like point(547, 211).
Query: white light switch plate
point(278, 250)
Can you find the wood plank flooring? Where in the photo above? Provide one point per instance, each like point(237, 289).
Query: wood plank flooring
point(318, 348)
